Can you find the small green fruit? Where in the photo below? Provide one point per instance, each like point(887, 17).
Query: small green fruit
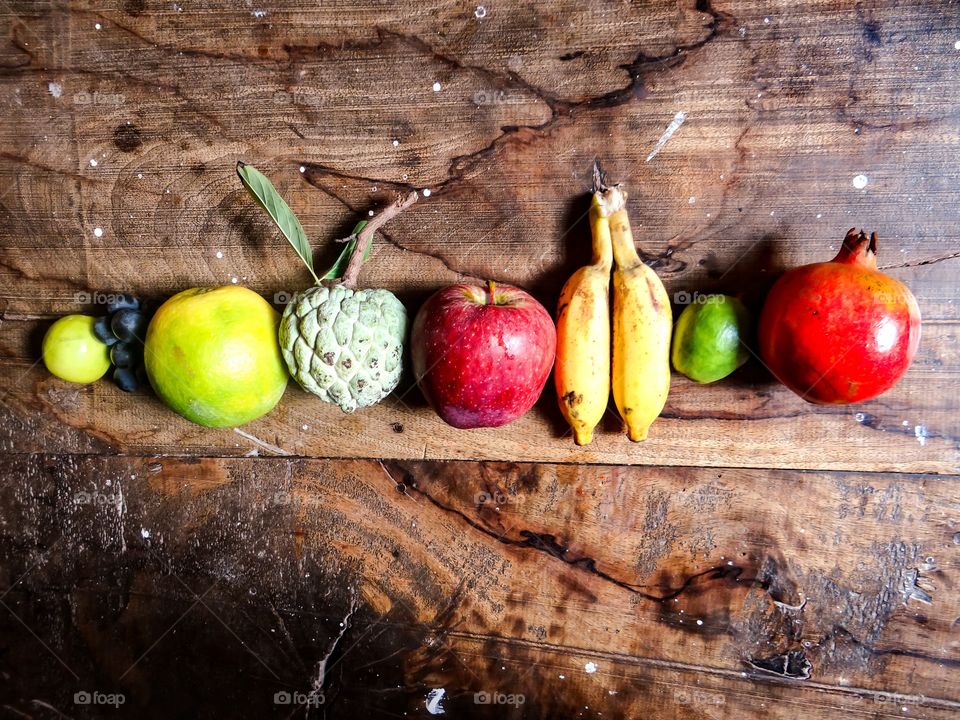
point(212, 355)
point(709, 337)
point(72, 352)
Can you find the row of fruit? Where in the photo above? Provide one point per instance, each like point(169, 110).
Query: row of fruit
point(834, 332)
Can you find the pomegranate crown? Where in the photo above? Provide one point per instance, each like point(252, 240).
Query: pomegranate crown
point(858, 248)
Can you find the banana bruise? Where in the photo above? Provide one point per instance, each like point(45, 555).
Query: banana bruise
point(582, 369)
point(642, 325)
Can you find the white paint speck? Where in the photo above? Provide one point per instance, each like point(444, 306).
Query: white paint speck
point(590, 668)
point(562, 677)
point(55, 88)
point(303, 168)
point(370, 213)
point(819, 215)
point(920, 433)
point(860, 181)
point(233, 280)
point(766, 21)
point(304, 427)
point(426, 192)
point(219, 253)
point(437, 87)
point(435, 701)
point(93, 162)
point(956, 45)
point(480, 13)
point(139, 176)
point(692, 200)
point(699, 622)
point(259, 13)
point(674, 125)
point(396, 143)
point(98, 26)
point(144, 533)
point(98, 232)
point(859, 417)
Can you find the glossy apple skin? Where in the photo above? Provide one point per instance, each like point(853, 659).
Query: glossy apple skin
point(482, 360)
point(842, 331)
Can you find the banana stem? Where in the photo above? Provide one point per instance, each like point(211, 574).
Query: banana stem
point(365, 236)
point(600, 232)
point(624, 251)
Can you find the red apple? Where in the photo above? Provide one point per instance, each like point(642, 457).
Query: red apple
point(482, 355)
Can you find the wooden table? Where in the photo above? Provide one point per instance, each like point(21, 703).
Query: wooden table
point(757, 557)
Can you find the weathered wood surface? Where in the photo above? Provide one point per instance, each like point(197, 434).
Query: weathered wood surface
point(785, 105)
point(747, 421)
point(472, 577)
point(122, 124)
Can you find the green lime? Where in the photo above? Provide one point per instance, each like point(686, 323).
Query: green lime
point(709, 337)
point(72, 352)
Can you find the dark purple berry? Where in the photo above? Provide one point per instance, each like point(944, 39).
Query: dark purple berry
point(124, 355)
point(129, 325)
point(126, 379)
point(101, 328)
point(123, 302)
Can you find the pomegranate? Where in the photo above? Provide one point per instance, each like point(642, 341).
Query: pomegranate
point(840, 331)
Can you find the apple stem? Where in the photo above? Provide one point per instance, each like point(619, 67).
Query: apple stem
point(365, 236)
point(491, 290)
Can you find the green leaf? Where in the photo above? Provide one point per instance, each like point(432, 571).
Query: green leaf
point(269, 199)
point(340, 266)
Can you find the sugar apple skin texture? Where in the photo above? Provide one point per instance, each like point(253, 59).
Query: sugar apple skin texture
point(342, 344)
point(345, 345)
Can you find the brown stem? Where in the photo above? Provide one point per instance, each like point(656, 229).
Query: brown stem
point(491, 292)
point(365, 236)
point(599, 177)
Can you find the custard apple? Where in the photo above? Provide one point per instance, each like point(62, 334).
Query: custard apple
point(344, 345)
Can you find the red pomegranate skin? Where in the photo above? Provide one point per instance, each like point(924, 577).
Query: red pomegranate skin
point(481, 356)
point(841, 331)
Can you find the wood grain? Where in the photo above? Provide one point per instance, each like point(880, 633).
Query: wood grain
point(783, 109)
point(746, 421)
point(145, 555)
point(676, 584)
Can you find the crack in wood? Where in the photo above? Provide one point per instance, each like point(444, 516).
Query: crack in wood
point(460, 166)
point(547, 544)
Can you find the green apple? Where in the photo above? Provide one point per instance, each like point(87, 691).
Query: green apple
point(212, 355)
point(72, 352)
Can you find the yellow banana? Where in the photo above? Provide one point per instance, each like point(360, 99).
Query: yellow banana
point(642, 324)
point(582, 370)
